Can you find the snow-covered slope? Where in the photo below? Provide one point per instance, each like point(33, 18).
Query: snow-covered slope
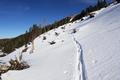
point(92, 53)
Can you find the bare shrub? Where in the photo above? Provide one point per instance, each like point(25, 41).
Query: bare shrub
point(52, 42)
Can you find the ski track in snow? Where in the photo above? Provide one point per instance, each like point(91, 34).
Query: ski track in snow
point(81, 69)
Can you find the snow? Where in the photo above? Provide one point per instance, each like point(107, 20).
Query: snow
point(92, 53)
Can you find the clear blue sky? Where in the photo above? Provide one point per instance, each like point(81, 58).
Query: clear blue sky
point(16, 16)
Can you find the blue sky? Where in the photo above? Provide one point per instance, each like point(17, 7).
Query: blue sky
point(16, 16)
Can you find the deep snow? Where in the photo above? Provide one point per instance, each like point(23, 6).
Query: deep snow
point(92, 53)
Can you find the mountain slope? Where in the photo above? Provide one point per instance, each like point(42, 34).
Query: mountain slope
point(100, 41)
point(92, 53)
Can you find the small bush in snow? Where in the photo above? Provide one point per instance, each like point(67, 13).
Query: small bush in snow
point(63, 27)
point(91, 15)
point(82, 19)
point(74, 31)
point(52, 42)
point(56, 34)
point(44, 37)
point(3, 68)
point(24, 50)
point(18, 65)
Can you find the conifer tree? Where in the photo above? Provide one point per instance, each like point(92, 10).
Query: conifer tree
point(118, 1)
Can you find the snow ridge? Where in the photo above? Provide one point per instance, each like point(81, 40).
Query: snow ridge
point(81, 69)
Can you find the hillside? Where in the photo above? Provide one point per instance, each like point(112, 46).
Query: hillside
point(81, 50)
point(9, 45)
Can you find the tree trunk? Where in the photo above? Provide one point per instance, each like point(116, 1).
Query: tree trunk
point(33, 46)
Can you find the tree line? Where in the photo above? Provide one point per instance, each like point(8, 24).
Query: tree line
point(100, 4)
point(9, 45)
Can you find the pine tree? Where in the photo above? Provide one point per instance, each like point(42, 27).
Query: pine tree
point(118, 1)
point(26, 39)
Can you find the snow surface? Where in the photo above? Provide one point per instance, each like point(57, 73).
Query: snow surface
point(92, 53)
